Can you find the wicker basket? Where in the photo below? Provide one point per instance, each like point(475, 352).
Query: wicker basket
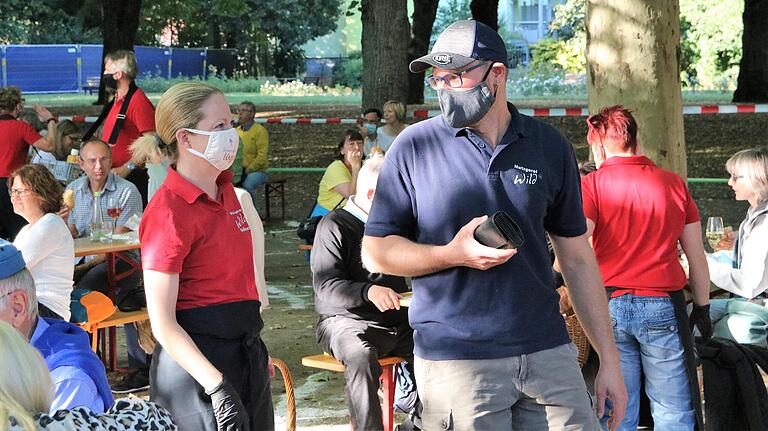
point(578, 337)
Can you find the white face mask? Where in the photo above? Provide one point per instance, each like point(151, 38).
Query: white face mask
point(221, 148)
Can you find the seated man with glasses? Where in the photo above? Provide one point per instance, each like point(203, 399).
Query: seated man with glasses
point(96, 162)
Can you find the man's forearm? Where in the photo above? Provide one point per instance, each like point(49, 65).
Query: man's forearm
point(587, 295)
point(397, 255)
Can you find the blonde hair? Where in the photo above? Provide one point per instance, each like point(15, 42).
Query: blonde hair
point(125, 61)
point(26, 387)
point(397, 107)
point(180, 107)
point(752, 164)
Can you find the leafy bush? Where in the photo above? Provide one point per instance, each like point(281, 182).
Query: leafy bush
point(238, 84)
point(350, 72)
point(564, 54)
point(298, 88)
point(544, 80)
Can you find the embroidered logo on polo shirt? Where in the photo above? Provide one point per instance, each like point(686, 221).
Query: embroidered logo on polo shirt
point(527, 176)
point(442, 58)
point(240, 220)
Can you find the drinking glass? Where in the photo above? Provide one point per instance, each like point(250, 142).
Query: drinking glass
point(113, 211)
point(715, 231)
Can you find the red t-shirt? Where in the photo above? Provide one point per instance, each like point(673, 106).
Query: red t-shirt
point(639, 211)
point(208, 243)
point(139, 119)
point(15, 139)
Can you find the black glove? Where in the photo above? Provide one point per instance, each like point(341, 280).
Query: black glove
point(228, 409)
point(700, 318)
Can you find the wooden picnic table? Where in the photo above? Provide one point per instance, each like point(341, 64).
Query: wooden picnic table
point(114, 250)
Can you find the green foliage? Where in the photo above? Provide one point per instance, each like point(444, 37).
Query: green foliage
point(711, 42)
point(48, 21)
point(268, 35)
point(156, 84)
point(567, 55)
point(350, 72)
point(544, 80)
point(449, 12)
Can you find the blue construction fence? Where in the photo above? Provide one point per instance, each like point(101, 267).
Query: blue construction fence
point(74, 68)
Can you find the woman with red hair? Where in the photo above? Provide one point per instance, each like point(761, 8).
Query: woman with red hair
point(636, 214)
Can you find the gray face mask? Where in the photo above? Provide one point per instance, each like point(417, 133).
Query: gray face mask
point(464, 108)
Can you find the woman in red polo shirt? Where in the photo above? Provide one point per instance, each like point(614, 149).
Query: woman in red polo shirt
point(210, 367)
point(15, 139)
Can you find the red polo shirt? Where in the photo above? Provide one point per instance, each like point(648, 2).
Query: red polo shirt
point(15, 139)
point(139, 119)
point(208, 243)
point(639, 211)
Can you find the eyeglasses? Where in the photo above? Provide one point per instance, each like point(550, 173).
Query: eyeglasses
point(20, 192)
point(92, 162)
point(735, 177)
point(454, 80)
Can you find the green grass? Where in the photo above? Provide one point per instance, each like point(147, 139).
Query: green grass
point(58, 100)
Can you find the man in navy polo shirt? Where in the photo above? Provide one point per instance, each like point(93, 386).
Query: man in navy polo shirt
point(491, 348)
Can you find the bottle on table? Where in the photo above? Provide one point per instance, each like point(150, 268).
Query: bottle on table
point(74, 157)
point(98, 227)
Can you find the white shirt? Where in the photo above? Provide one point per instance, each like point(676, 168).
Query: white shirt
point(749, 276)
point(49, 250)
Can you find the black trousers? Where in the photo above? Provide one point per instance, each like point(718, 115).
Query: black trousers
point(228, 336)
point(140, 178)
point(10, 222)
point(359, 345)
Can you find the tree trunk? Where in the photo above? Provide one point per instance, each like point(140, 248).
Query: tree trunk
point(486, 11)
point(424, 12)
point(385, 51)
point(121, 21)
point(632, 59)
point(753, 70)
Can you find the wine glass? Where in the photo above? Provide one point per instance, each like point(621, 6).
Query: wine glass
point(113, 211)
point(715, 231)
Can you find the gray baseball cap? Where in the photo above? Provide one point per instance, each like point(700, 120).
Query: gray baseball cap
point(462, 43)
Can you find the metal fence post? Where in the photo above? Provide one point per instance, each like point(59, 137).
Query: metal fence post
point(170, 62)
point(205, 63)
point(80, 69)
point(2, 54)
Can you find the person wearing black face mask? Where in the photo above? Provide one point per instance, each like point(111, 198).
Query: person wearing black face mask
point(473, 302)
point(127, 117)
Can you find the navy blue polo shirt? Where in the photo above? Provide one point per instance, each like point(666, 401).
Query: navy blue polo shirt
point(434, 180)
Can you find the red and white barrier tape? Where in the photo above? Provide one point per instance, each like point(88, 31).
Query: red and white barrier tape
point(535, 112)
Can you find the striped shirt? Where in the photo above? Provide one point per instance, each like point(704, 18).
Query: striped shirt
point(126, 193)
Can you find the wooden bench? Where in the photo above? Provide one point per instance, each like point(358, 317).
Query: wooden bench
point(276, 189)
point(327, 362)
point(110, 323)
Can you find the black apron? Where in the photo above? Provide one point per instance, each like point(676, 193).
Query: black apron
point(228, 336)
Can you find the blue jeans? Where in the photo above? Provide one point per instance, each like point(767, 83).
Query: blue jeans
point(649, 344)
point(254, 179)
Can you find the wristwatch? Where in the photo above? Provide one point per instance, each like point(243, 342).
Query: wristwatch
point(130, 165)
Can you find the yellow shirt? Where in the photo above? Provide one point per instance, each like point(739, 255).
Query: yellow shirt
point(255, 148)
point(336, 173)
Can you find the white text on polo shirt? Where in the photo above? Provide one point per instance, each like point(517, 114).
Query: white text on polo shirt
point(240, 220)
point(528, 176)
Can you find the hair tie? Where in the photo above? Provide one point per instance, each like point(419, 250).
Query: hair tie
point(160, 143)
